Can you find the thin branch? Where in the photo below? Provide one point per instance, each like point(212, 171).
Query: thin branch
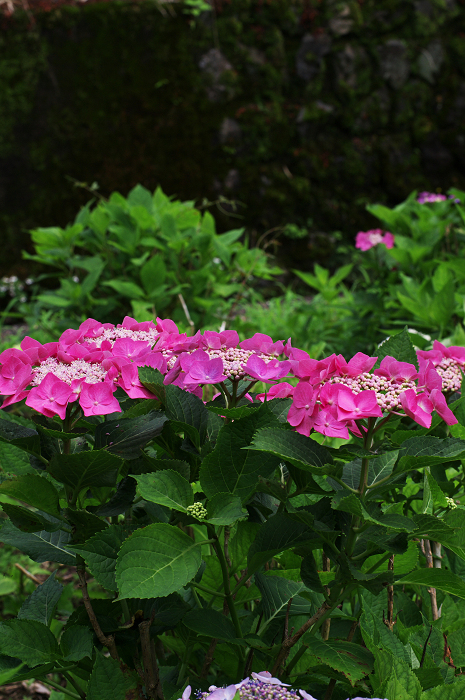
point(186, 312)
point(426, 548)
point(389, 621)
point(28, 574)
point(152, 673)
point(109, 641)
point(290, 641)
point(208, 658)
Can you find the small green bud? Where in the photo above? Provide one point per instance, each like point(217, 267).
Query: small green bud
point(451, 503)
point(197, 511)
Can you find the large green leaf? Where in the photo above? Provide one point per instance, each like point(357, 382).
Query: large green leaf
point(41, 604)
point(126, 437)
point(210, 623)
point(225, 509)
point(352, 660)
point(276, 593)
point(156, 561)
point(76, 643)
point(34, 490)
point(299, 450)
point(435, 578)
point(167, 488)
point(395, 678)
point(276, 535)
point(107, 681)
point(188, 412)
point(29, 521)
point(40, 546)
point(426, 451)
point(399, 346)
point(14, 460)
point(100, 553)
point(28, 640)
point(451, 691)
point(85, 469)
point(20, 435)
point(232, 469)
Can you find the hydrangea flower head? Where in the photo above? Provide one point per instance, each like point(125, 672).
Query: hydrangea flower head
point(365, 240)
point(428, 197)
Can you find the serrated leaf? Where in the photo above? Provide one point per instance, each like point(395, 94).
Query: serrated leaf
point(299, 450)
point(152, 379)
point(167, 488)
point(156, 561)
point(309, 574)
point(34, 490)
point(41, 604)
point(237, 412)
point(435, 578)
point(100, 553)
point(28, 640)
point(40, 546)
point(107, 681)
point(232, 469)
point(276, 592)
point(121, 500)
point(14, 460)
point(76, 643)
point(187, 408)
point(84, 469)
point(426, 451)
point(210, 623)
point(275, 536)
point(224, 509)
point(29, 521)
point(399, 346)
point(397, 679)
point(19, 435)
point(126, 437)
point(452, 691)
point(352, 660)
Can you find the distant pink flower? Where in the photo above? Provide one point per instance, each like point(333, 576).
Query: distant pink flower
point(98, 400)
point(427, 197)
point(266, 371)
point(51, 397)
point(365, 240)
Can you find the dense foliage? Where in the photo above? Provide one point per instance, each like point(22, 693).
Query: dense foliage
point(302, 110)
point(228, 539)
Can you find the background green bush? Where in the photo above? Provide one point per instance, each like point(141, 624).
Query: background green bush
point(303, 111)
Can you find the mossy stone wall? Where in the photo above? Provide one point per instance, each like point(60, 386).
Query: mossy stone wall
point(301, 110)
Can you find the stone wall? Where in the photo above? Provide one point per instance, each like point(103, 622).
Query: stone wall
point(302, 110)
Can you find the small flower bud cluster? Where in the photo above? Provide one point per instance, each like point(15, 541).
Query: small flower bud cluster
point(387, 390)
point(451, 503)
point(197, 511)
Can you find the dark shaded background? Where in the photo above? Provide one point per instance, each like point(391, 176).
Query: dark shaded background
point(303, 111)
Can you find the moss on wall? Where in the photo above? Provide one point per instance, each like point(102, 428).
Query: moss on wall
point(301, 110)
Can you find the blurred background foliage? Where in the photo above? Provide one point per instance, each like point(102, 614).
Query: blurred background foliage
point(300, 111)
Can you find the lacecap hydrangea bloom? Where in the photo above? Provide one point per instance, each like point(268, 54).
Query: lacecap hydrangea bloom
point(332, 395)
point(87, 365)
point(449, 363)
point(365, 240)
point(262, 686)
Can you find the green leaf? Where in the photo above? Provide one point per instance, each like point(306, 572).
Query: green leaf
point(7, 585)
point(210, 623)
point(156, 561)
point(29, 521)
point(276, 592)
point(309, 574)
point(85, 524)
point(299, 450)
point(352, 660)
point(435, 578)
point(187, 409)
point(84, 469)
point(224, 509)
point(237, 412)
point(452, 691)
point(9, 675)
point(399, 346)
point(125, 288)
point(149, 465)
point(100, 553)
point(28, 640)
point(40, 546)
point(231, 469)
point(152, 379)
point(121, 500)
point(34, 490)
point(107, 681)
point(426, 451)
point(76, 643)
point(167, 488)
point(20, 436)
point(275, 536)
point(396, 679)
point(153, 273)
point(14, 460)
point(41, 604)
point(126, 437)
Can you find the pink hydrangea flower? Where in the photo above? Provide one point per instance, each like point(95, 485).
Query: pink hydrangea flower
point(98, 400)
point(365, 240)
point(51, 397)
